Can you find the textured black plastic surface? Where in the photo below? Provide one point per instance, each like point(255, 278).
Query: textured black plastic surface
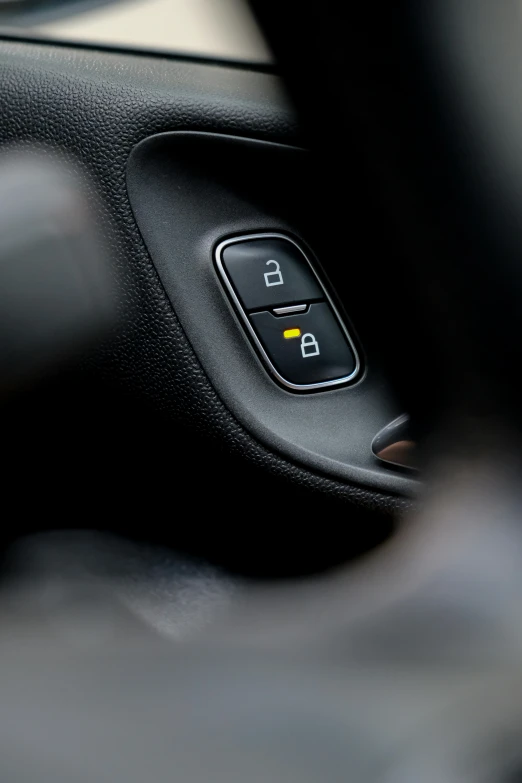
point(188, 192)
point(95, 107)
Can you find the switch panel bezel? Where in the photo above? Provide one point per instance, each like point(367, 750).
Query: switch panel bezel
point(309, 387)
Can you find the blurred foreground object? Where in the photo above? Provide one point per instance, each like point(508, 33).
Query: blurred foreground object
point(56, 289)
point(403, 668)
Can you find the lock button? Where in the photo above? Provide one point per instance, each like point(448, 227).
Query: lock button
point(306, 349)
point(268, 272)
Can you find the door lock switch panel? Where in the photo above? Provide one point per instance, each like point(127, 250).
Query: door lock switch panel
point(287, 312)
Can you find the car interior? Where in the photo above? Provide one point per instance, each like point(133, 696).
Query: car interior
point(259, 269)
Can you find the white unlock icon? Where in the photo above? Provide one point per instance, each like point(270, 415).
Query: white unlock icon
point(275, 277)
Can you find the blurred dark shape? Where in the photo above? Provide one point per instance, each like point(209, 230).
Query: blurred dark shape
point(394, 444)
point(403, 668)
point(56, 286)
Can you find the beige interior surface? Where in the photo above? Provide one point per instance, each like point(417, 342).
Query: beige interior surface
point(214, 28)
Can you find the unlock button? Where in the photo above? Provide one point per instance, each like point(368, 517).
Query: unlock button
point(306, 349)
point(268, 272)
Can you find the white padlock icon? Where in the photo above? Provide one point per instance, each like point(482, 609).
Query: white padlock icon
point(275, 277)
point(309, 346)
